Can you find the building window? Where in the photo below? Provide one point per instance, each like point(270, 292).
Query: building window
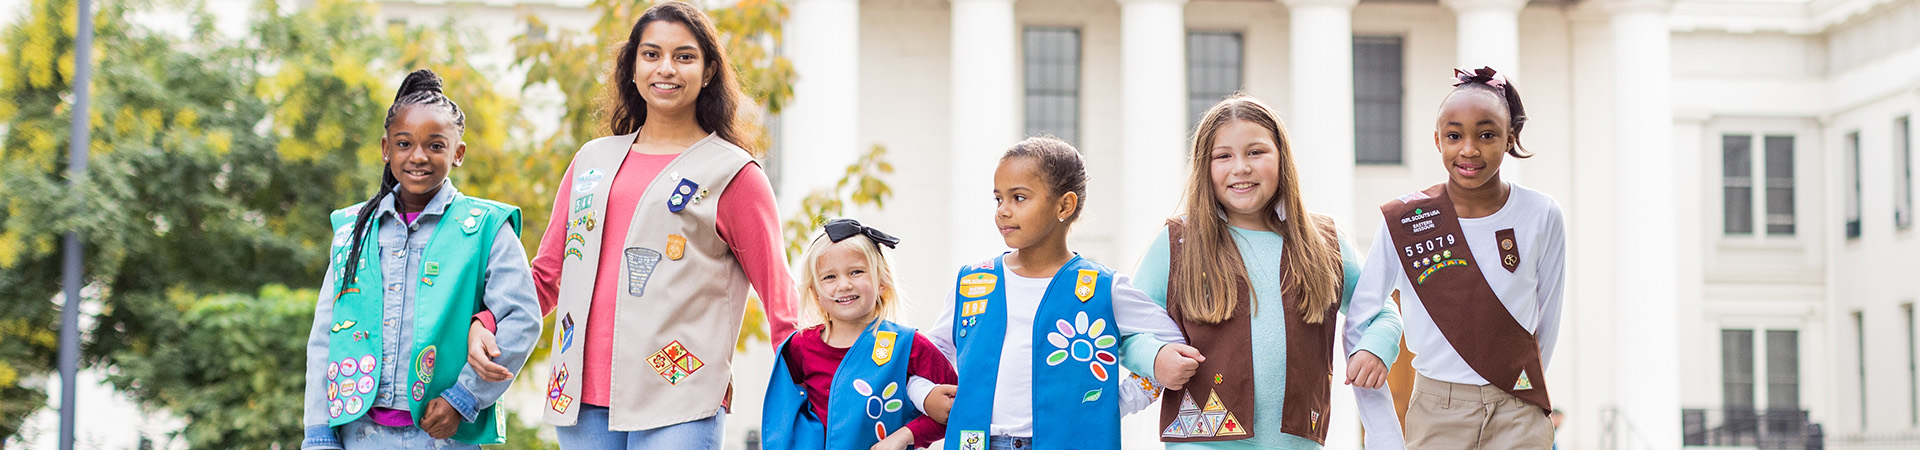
point(1741, 190)
point(1903, 173)
point(1213, 69)
point(1783, 370)
point(1913, 369)
point(1377, 93)
point(1860, 363)
point(1853, 184)
point(1736, 369)
point(1053, 82)
point(1736, 175)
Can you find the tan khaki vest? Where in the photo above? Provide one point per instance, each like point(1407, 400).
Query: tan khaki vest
point(682, 294)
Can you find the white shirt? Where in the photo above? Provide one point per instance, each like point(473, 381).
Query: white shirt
point(1133, 312)
point(1532, 292)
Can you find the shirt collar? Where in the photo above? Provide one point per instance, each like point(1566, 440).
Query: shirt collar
point(435, 206)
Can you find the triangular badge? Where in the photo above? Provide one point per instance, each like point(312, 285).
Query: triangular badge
point(1524, 383)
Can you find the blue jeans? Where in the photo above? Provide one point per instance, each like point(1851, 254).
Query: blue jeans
point(364, 434)
point(591, 433)
point(1009, 443)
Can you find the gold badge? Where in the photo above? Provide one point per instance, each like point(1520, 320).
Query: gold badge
point(973, 308)
point(882, 347)
point(1083, 286)
point(676, 247)
point(977, 285)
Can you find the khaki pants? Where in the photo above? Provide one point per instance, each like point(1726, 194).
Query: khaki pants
point(1453, 416)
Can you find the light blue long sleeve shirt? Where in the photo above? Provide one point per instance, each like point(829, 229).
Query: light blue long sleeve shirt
point(1378, 328)
point(509, 294)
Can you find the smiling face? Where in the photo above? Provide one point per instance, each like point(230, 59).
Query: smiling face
point(1028, 213)
point(1245, 172)
point(1472, 135)
point(421, 147)
point(669, 68)
point(846, 285)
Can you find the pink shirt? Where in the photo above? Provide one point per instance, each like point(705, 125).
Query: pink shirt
point(747, 219)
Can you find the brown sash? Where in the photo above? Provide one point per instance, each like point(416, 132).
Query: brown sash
point(1217, 404)
point(1432, 251)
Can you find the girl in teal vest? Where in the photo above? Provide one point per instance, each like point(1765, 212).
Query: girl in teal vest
point(842, 384)
point(405, 274)
point(1037, 332)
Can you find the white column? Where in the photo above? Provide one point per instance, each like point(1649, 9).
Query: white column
point(1488, 34)
point(1320, 117)
point(985, 121)
point(1320, 124)
point(1646, 214)
point(820, 126)
point(1153, 87)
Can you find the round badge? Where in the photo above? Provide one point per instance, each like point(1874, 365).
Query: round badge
point(333, 369)
point(353, 405)
point(419, 391)
point(333, 390)
point(349, 367)
point(366, 384)
point(366, 364)
point(684, 189)
point(1506, 244)
point(1446, 253)
point(423, 364)
point(334, 407)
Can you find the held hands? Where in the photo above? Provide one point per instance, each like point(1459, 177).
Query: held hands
point(1175, 364)
point(441, 420)
point(938, 403)
point(901, 439)
point(481, 350)
point(1366, 370)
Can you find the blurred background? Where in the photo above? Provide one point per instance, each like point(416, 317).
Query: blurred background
point(1736, 175)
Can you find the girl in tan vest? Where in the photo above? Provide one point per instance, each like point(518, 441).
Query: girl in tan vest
point(1265, 317)
point(656, 235)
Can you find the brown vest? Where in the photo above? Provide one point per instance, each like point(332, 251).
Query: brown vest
point(1217, 404)
point(1432, 250)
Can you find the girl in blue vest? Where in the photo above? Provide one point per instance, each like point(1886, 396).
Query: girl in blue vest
point(847, 377)
point(407, 270)
point(1037, 332)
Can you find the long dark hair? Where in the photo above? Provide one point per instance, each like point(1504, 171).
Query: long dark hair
point(422, 87)
point(717, 109)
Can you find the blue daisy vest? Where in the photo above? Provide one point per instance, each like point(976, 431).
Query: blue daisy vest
point(869, 396)
point(1076, 388)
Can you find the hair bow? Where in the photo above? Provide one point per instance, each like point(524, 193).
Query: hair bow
point(841, 229)
point(1483, 75)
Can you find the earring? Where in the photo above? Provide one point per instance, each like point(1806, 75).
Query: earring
point(703, 84)
point(1063, 220)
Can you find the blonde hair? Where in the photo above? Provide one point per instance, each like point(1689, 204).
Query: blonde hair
point(1213, 271)
point(878, 264)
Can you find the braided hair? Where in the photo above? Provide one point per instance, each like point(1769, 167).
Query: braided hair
point(422, 87)
point(1485, 78)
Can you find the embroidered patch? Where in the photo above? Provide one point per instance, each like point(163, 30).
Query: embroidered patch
point(333, 370)
point(590, 179)
point(1437, 265)
point(1197, 422)
point(576, 237)
point(878, 403)
point(365, 386)
point(1523, 383)
point(575, 253)
point(333, 390)
point(676, 246)
point(432, 269)
point(1509, 252)
point(423, 363)
point(566, 332)
point(674, 362)
point(681, 194)
point(1085, 342)
point(882, 347)
point(366, 364)
point(1217, 378)
point(419, 391)
point(342, 326)
point(334, 407)
point(1090, 396)
point(1083, 286)
point(973, 440)
point(353, 405)
point(557, 397)
point(1420, 221)
point(640, 263)
point(977, 285)
point(349, 367)
point(583, 203)
point(973, 308)
point(880, 430)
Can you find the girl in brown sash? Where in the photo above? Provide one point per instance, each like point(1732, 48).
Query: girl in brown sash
point(1479, 264)
point(1255, 282)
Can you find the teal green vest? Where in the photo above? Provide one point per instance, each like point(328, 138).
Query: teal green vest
point(451, 286)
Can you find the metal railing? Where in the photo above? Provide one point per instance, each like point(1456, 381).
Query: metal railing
point(1767, 429)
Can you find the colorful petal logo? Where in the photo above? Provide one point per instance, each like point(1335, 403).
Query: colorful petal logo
point(1083, 341)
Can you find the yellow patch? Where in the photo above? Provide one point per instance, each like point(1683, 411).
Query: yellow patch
point(978, 285)
point(882, 347)
point(1083, 286)
point(676, 247)
point(973, 308)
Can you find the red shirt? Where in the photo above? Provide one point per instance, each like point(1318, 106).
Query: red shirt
point(747, 219)
point(814, 363)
